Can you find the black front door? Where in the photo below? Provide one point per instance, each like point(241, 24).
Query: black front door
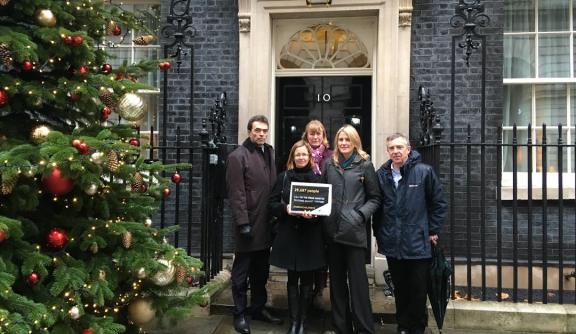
point(334, 101)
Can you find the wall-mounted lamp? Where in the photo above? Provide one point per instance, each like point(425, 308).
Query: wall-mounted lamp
point(318, 2)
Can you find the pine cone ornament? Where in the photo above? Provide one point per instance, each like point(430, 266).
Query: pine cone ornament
point(8, 185)
point(127, 239)
point(5, 54)
point(4, 2)
point(107, 98)
point(143, 40)
point(138, 183)
point(180, 274)
point(113, 162)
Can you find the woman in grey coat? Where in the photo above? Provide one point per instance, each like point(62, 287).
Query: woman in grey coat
point(355, 197)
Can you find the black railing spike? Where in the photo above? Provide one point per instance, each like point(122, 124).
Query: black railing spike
point(469, 16)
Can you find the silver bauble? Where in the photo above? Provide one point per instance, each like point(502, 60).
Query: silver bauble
point(164, 276)
point(40, 133)
point(148, 222)
point(97, 157)
point(74, 312)
point(131, 107)
point(91, 190)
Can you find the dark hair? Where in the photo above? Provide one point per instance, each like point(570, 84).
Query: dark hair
point(257, 118)
point(397, 135)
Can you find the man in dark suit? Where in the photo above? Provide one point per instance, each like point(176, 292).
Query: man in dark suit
point(250, 177)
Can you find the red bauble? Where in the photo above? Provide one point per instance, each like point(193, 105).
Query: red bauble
point(134, 142)
point(166, 192)
point(74, 97)
point(176, 178)
point(3, 98)
point(77, 40)
point(165, 65)
point(76, 143)
point(83, 148)
point(83, 70)
point(106, 111)
point(56, 184)
point(33, 278)
point(2, 235)
point(27, 65)
point(87, 331)
point(117, 31)
point(57, 238)
point(106, 68)
point(68, 40)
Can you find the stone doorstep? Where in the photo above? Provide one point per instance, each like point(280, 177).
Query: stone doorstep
point(460, 314)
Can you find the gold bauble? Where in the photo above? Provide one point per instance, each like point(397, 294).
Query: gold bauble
point(4, 2)
point(140, 311)
point(164, 276)
point(45, 17)
point(131, 107)
point(40, 133)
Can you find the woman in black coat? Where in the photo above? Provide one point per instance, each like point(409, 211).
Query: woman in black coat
point(298, 246)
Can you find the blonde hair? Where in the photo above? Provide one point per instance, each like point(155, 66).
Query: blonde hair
point(301, 143)
point(354, 137)
point(313, 127)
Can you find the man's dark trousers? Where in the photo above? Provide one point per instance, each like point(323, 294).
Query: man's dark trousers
point(410, 278)
point(255, 266)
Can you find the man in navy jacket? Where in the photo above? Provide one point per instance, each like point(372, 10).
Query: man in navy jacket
point(411, 216)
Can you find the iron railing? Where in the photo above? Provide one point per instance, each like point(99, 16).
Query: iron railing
point(517, 220)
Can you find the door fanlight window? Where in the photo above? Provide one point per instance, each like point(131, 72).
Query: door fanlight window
point(323, 46)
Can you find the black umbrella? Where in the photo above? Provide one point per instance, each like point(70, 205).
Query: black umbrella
point(439, 285)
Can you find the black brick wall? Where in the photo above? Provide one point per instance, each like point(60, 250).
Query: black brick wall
point(431, 67)
point(214, 66)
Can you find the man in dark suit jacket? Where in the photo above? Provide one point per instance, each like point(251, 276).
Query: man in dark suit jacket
point(250, 176)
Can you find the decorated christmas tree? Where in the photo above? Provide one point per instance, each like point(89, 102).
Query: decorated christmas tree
point(78, 250)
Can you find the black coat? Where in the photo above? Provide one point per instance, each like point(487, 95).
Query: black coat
point(250, 176)
point(410, 213)
point(355, 197)
point(298, 245)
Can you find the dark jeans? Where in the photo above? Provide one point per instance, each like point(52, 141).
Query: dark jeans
point(410, 278)
point(349, 295)
point(254, 266)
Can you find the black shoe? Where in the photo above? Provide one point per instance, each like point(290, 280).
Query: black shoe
point(265, 316)
point(241, 325)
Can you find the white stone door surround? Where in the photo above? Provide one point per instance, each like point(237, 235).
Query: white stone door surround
point(390, 63)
